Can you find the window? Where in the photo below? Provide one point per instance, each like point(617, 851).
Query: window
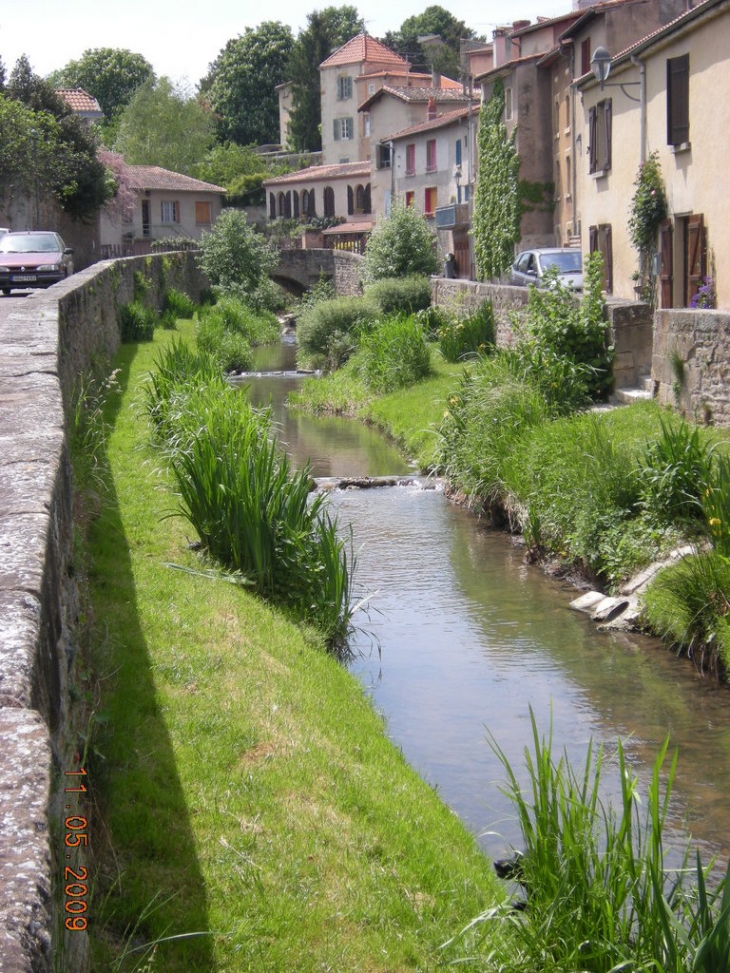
point(567, 112)
point(342, 128)
point(410, 198)
point(568, 178)
point(585, 56)
point(170, 211)
point(599, 149)
point(202, 214)
point(599, 238)
point(350, 201)
point(430, 200)
point(329, 201)
point(295, 204)
point(678, 100)
point(272, 206)
point(383, 157)
point(411, 160)
point(308, 207)
point(366, 125)
point(360, 199)
point(431, 155)
point(371, 88)
point(458, 152)
point(344, 87)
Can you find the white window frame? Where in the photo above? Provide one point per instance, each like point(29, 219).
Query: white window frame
point(169, 211)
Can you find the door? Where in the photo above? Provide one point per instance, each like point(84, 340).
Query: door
point(696, 261)
point(666, 273)
point(146, 222)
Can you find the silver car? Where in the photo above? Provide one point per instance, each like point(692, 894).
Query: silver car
point(530, 266)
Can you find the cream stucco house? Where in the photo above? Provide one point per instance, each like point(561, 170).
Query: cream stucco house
point(666, 95)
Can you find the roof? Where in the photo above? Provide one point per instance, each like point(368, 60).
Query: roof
point(505, 68)
point(448, 118)
point(80, 101)
point(363, 47)
point(410, 95)
point(342, 170)
point(153, 177)
point(364, 226)
point(410, 76)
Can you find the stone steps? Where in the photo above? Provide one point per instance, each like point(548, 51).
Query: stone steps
point(643, 393)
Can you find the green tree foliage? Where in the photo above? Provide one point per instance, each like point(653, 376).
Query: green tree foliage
point(326, 30)
point(401, 244)
point(46, 148)
point(236, 259)
point(241, 84)
point(496, 225)
point(111, 75)
point(163, 125)
point(434, 20)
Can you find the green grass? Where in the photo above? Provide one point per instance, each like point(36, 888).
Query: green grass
point(245, 788)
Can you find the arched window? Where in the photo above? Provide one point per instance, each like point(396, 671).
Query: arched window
point(367, 205)
point(329, 201)
point(272, 206)
point(360, 200)
point(350, 201)
point(295, 201)
point(287, 205)
point(281, 204)
point(305, 202)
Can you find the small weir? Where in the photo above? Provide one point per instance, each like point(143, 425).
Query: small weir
point(461, 637)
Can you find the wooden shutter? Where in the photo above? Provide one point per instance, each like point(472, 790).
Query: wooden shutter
point(592, 239)
point(202, 214)
point(678, 100)
point(607, 122)
point(666, 272)
point(696, 255)
point(605, 245)
point(295, 200)
point(272, 206)
point(585, 56)
point(336, 129)
point(592, 140)
point(350, 201)
point(367, 205)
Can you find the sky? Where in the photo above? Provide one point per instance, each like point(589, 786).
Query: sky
point(180, 38)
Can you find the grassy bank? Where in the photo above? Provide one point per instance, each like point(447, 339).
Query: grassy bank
point(251, 812)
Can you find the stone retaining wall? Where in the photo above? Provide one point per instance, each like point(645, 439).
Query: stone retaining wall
point(50, 340)
point(691, 363)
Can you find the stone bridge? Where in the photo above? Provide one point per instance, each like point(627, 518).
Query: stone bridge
point(298, 270)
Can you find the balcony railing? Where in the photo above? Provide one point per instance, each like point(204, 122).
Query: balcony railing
point(455, 214)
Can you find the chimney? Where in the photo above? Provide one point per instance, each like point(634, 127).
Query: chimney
point(431, 110)
point(435, 79)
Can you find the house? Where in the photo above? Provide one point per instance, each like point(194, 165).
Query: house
point(664, 95)
point(432, 170)
point(82, 104)
point(169, 205)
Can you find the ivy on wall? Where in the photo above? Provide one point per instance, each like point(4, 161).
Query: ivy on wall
point(497, 201)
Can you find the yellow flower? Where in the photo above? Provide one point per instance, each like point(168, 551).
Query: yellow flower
point(715, 522)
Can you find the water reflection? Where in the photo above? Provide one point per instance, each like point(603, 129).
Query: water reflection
point(463, 637)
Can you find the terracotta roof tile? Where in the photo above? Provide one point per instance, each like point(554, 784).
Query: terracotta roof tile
point(153, 177)
point(363, 47)
point(343, 170)
point(79, 100)
point(412, 95)
point(448, 118)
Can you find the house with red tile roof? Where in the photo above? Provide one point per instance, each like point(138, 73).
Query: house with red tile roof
point(81, 103)
point(170, 205)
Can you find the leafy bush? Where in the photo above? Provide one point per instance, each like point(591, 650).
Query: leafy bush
point(401, 244)
point(332, 325)
point(432, 319)
point(137, 322)
point(179, 303)
point(234, 257)
point(401, 295)
point(675, 473)
point(394, 354)
point(459, 337)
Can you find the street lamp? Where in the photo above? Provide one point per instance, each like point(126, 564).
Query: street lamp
point(457, 180)
point(601, 65)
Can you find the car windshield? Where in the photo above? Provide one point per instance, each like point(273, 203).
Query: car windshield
point(567, 263)
point(28, 243)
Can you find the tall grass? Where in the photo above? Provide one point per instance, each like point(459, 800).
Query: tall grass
point(600, 896)
point(395, 354)
point(253, 514)
point(229, 330)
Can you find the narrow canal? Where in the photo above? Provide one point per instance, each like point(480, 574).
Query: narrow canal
point(462, 637)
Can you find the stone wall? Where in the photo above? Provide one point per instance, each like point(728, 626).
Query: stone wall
point(49, 341)
point(691, 363)
point(470, 294)
point(305, 267)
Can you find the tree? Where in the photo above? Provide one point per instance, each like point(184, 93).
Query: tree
point(437, 21)
point(111, 75)
point(497, 210)
point(46, 148)
point(163, 125)
point(326, 30)
point(401, 244)
point(236, 259)
point(241, 84)
point(122, 202)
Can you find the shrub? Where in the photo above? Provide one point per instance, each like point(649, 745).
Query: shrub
point(334, 323)
point(401, 244)
point(675, 473)
point(179, 303)
point(459, 337)
point(229, 329)
point(136, 322)
point(394, 354)
point(396, 295)
point(432, 319)
point(234, 257)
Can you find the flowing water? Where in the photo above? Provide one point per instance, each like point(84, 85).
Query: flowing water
point(463, 639)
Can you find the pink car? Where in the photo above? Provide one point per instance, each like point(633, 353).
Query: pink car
point(33, 258)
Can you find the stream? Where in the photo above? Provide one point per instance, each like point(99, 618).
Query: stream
point(462, 639)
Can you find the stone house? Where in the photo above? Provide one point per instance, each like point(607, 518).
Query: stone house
point(663, 95)
point(169, 205)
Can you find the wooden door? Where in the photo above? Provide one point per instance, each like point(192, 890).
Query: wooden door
point(696, 263)
point(666, 272)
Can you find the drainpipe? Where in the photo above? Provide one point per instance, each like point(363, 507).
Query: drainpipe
point(642, 107)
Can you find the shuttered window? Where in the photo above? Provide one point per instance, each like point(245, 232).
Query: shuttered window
point(599, 126)
point(600, 239)
point(678, 100)
point(329, 201)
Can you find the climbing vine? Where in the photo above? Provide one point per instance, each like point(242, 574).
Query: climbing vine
point(497, 204)
point(648, 209)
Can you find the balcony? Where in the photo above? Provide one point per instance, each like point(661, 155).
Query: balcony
point(455, 214)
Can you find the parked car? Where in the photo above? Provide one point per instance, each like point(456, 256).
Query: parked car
point(33, 258)
point(4, 229)
point(530, 266)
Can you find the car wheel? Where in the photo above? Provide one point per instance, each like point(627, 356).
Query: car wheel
point(6, 291)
